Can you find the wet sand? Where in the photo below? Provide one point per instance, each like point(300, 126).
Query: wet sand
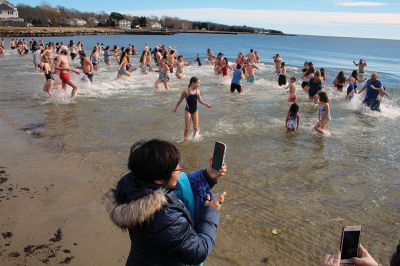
point(42, 192)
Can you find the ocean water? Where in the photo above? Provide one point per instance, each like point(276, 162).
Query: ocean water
point(304, 185)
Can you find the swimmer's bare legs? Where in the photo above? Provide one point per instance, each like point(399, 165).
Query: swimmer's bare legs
point(187, 126)
point(195, 120)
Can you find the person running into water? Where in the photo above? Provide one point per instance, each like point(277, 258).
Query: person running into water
point(236, 78)
point(179, 67)
point(339, 81)
point(87, 67)
point(277, 61)
point(314, 86)
point(225, 67)
point(72, 50)
point(324, 112)
point(95, 58)
point(323, 75)
point(142, 63)
point(36, 57)
point(210, 55)
point(171, 60)
point(292, 90)
point(293, 118)
point(361, 65)
point(375, 91)
point(309, 74)
point(282, 74)
point(106, 55)
point(357, 79)
point(122, 66)
point(251, 56)
point(197, 60)
point(50, 83)
point(192, 95)
point(63, 66)
point(351, 89)
point(148, 60)
point(163, 75)
point(250, 76)
point(257, 57)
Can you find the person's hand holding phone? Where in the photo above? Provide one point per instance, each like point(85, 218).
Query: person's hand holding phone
point(365, 258)
point(331, 260)
point(214, 173)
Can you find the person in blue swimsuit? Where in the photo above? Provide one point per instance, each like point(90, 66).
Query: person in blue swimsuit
point(192, 95)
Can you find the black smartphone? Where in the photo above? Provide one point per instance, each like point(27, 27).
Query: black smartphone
point(218, 156)
point(350, 243)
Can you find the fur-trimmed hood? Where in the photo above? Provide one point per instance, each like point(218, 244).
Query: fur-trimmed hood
point(131, 202)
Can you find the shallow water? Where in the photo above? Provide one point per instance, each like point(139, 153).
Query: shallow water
point(305, 185)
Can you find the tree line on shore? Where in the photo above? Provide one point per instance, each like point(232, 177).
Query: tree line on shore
point(46, 15)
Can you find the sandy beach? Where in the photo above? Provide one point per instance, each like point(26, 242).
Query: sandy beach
point(289, 195)
point(41, 193)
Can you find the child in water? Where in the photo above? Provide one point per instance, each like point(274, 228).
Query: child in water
point(324, 112)
point(351, 88)
point(192, 95)
point(293, 118)
point(292, 90)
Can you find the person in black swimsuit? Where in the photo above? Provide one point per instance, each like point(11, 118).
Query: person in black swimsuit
point(50, 83)
point(192, 95)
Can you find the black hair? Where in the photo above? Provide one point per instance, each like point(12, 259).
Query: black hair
point(323, 97)
point(354, 74)
point(395, 260)
point(294, 108)
point(251, 50)
point(238, 66)
point(341, 77)
point(153, 160)
point(193, 80)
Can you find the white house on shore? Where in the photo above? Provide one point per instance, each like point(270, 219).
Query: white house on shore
point(80, 22)
point(9, 12)
point(93, 21)
point(124, 24)
point(156, 26)
point(75, 22)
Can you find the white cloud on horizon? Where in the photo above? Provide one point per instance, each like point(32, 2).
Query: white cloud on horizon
point(360, 4)
point(265, 17)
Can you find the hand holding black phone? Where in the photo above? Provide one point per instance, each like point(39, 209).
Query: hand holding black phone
point(218, 156)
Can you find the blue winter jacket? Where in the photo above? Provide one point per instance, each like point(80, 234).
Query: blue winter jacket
point(161, 228)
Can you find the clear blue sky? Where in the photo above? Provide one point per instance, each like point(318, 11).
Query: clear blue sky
point(353, 18)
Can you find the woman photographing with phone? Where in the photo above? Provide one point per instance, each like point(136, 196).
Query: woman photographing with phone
point(192, 95)
point(160, 226)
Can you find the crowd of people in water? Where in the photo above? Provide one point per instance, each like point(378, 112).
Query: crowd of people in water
point(165, 230)
point(54, 59)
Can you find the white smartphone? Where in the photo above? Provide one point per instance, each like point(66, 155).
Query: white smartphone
point(218, 156)
point(350, 242)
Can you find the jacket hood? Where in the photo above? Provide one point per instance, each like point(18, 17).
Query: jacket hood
point(133, 201)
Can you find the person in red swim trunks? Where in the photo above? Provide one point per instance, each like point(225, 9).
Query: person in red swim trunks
point(63, 66)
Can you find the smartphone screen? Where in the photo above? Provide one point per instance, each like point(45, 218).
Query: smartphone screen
point(218, 156)
point(350, 243)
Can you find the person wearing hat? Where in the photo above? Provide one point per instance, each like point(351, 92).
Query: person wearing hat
point(64, 68)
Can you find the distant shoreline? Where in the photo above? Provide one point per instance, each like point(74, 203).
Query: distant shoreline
point(72, 31)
